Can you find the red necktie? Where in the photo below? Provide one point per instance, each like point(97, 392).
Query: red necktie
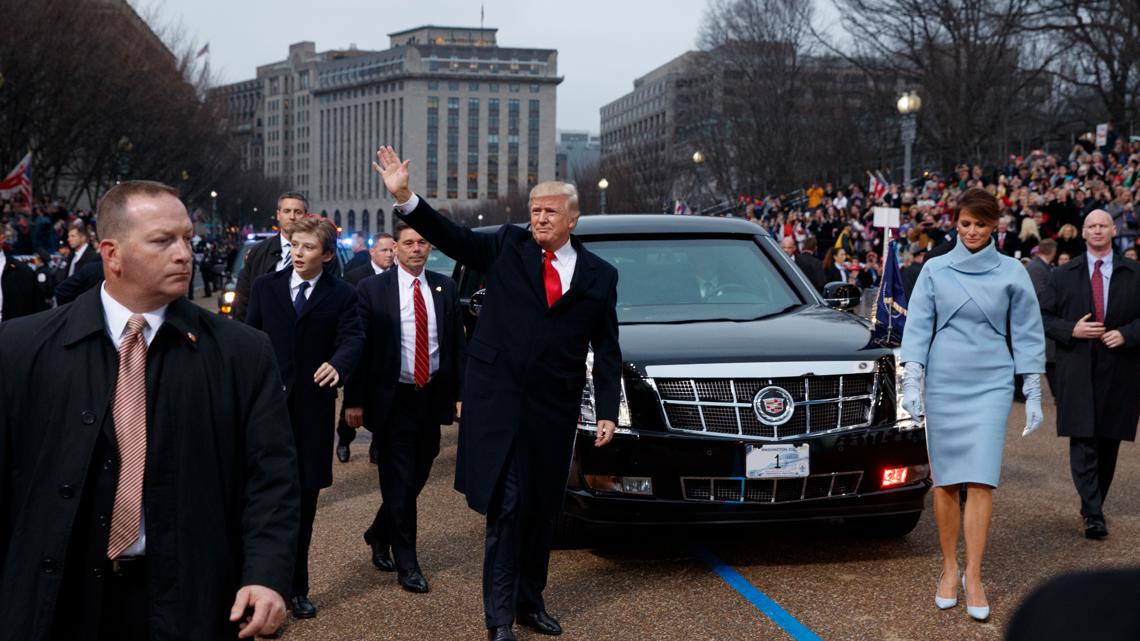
point(550, 279)
point(129, 413)
point(1098, 292)
point(422, 363)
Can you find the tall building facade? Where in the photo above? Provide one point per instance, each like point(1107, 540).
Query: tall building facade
point(577, 151)
point(476, 119)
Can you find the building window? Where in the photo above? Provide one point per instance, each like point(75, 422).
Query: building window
point(453, 147)
point(493, 87)
point(532, 144)
point(432, 146)
point(433, 85)
point(493, 148)
point(472, 86)
point(453, 86)
point(512, 147)
point(351, 220)
point(515, 88)
point(472, 148)
point(535, 88)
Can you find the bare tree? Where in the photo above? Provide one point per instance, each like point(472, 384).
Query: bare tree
point(982, 67)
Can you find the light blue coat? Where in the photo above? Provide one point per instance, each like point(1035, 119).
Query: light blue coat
point(962, 308)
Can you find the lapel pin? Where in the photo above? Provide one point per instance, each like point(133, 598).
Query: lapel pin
point(438, 289)
point(192, 337)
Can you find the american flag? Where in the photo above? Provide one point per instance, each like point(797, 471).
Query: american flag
point(19, 181)
point(680, 208)
point(877, 187)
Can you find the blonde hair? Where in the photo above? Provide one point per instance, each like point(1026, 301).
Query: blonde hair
point(1029, 230)
point(556, 188)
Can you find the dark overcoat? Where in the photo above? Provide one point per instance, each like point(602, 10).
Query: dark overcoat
point(1097, 392)
point(221, 501)
point(327, 330)
point(262, 259)
point(526, 362)
point(373, 385)
point(21, 292)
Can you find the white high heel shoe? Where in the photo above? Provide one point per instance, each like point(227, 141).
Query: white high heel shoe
point(944, 603)
point(979, 612)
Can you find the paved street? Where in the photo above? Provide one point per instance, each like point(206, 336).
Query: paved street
point(650, 583)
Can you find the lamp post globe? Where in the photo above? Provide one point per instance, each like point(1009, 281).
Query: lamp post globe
point(603, 185)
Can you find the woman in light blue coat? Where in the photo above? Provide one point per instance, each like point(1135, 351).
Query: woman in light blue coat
point(973, 322)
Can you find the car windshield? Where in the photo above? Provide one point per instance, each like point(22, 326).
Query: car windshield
point(440, 262)
point(687, 280)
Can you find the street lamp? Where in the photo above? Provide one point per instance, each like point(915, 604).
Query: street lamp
point(480, 217)
point(603, 185)
point(214, 205)
point(698, 157)
point(908, 105)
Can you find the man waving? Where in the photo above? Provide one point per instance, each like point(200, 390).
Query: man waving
point(549, 300)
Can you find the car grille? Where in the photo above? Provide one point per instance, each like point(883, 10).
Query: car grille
point(723, 407)
point(742, 490)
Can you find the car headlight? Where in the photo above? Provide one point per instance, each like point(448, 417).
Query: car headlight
point(229, 297)
point(903, 420)
point(589, 414)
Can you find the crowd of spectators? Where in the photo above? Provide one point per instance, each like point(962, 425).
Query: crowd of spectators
point(1042, 195)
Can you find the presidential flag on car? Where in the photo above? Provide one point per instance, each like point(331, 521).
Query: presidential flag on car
point(19, 181)
point(889, 313)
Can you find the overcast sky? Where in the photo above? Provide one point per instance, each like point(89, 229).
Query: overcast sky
point(603, 45)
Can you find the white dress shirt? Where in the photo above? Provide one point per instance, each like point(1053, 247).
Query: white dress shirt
point(295, 281)
point(75, 261)
point(565, 257)
point(1105, 274)
point(115, 317)
point(408, 326)
point(376, 268)
point(286, 253)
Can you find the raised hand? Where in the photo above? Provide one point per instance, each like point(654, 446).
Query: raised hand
point(394, 172)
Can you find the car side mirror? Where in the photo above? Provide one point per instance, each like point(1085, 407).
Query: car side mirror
point(840, 295)
point(475, 303)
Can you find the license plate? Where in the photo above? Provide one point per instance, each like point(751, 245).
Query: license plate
point(776, 461)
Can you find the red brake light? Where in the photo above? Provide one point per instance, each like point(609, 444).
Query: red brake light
point(894, 476)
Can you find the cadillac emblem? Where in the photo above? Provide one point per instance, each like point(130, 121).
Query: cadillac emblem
point(773, 406)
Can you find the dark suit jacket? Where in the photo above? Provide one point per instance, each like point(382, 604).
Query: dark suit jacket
point(812, 267)
point(526, 362)
point(262, 259)
point(910, 277)
point(21, 294)
point(373, 386)
point(89, 256)
point(327, 330)
point(1011, 245)
point(221, 501)
point(355, 275)
point(84, 279)
point(359, 259)
point(1101, 401)
point(1039, 272)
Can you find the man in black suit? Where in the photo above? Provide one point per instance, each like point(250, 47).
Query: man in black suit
point(811, 266)
point(85, 553)
point(82, 251)
point(360, 254)
point(1040, 269)
point(550, 301)
point(406, 387)
point(20, 294)
point(1091, 309)
point(381, 255)
point(1007, 242)
point(311, 320)
point(271, 254)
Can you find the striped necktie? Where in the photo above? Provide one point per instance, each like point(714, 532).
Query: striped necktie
point(129, 413)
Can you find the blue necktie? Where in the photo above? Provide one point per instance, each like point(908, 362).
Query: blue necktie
point(299, 301)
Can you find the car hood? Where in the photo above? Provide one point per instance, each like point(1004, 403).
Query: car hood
point(809, 333)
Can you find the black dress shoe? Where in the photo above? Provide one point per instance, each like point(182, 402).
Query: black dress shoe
point(501, 633)
point(413, 581)
point(381, 556)
point(540, 622)
point(342, 453)
point(1095, 528)
point(302, 607)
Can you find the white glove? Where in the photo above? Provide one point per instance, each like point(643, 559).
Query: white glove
point(1034, 417)
point(913, 377)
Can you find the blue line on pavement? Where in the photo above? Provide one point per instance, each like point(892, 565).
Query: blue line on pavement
point(763, 602)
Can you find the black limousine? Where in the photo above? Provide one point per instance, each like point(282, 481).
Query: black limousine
point(746, 397)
